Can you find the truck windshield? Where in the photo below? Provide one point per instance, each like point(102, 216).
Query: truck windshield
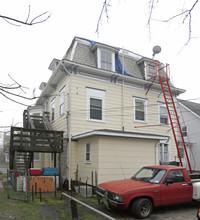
point(148, 174)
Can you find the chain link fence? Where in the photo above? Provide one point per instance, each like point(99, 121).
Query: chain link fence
point(18, 184)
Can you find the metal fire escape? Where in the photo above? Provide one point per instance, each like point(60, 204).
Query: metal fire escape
point(162, 76)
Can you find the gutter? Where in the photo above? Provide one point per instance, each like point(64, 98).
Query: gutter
point(128, 79)
point(100, 72)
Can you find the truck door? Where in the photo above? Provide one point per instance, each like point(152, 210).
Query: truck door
point(175, 190)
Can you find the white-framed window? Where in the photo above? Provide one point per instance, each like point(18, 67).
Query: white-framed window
point(106, 59)
point(184, 131)
point(95, 105)
point(140, 109)
point(37, 156)
point(87, 153)
point(164, 152)
point(163, 114)
point(53, 109)
point(62, 101)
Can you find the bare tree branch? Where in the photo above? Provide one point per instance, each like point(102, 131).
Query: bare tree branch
point(18, 84)
point(104, 10)
point(44, 16)
point(186, 13)
point(29, 12)
point(13, 100)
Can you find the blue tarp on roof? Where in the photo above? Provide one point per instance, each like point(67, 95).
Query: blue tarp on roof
point(118, 65)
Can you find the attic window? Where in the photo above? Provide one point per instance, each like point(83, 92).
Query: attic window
point(106, 59)
point(151, 71)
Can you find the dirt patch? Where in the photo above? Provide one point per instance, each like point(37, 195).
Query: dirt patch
point(49, 211)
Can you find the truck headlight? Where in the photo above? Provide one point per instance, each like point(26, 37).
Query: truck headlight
point(117, 197)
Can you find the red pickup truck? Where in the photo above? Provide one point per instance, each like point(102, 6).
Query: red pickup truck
point(150, 186)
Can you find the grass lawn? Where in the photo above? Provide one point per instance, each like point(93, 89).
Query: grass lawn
point(37, 210)
point(4, 165)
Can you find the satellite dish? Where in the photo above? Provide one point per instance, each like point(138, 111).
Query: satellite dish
point(156, 50)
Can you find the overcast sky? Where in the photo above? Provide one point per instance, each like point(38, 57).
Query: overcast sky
point(27, 51)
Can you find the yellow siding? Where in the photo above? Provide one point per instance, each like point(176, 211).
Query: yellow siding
point(123, 154)
point(45, 161)
point(85, 169)
point(113, 110)
point(120, 158)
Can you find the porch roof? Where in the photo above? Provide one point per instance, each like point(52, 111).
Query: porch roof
point(116, 133)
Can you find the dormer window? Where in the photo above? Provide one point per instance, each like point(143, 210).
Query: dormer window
point(106, 59)
point(105, 56)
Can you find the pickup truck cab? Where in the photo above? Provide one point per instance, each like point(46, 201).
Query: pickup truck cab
point(150, 186)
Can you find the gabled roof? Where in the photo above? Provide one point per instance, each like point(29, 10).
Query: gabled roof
point(194, 107)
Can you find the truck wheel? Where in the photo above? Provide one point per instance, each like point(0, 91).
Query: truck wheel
point(142, 208)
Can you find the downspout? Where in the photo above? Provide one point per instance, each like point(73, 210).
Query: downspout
point(157, 153)
point(123, 90)
point(69, 127)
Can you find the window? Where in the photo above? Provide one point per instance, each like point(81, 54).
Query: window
point(106, 59)
point(181, 150)
point(176, 176)
point(87, 153)
point(184, 131)
point(164, 152)
point(53, 110)
point(36, 156)
point(140, 110)
point(163, 115)
point(95, 104)
point(62, 101)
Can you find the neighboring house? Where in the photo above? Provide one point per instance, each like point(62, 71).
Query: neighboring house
point(6, 145)
point(189, 113)
point(1, 140)
point(115, 120)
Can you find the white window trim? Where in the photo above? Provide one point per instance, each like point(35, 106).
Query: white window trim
point(169, 150)
point(46, 106)
point(87, 161)
point(96, 94)
point(159, 113)
point(99, 58)
point(145, 109)
point(62, 101)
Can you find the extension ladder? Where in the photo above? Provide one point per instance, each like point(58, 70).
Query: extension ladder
point(163, 75)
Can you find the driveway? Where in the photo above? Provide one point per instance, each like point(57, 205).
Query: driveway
point(178, 212)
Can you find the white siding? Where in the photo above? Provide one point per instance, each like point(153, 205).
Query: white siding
point(192, 123)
